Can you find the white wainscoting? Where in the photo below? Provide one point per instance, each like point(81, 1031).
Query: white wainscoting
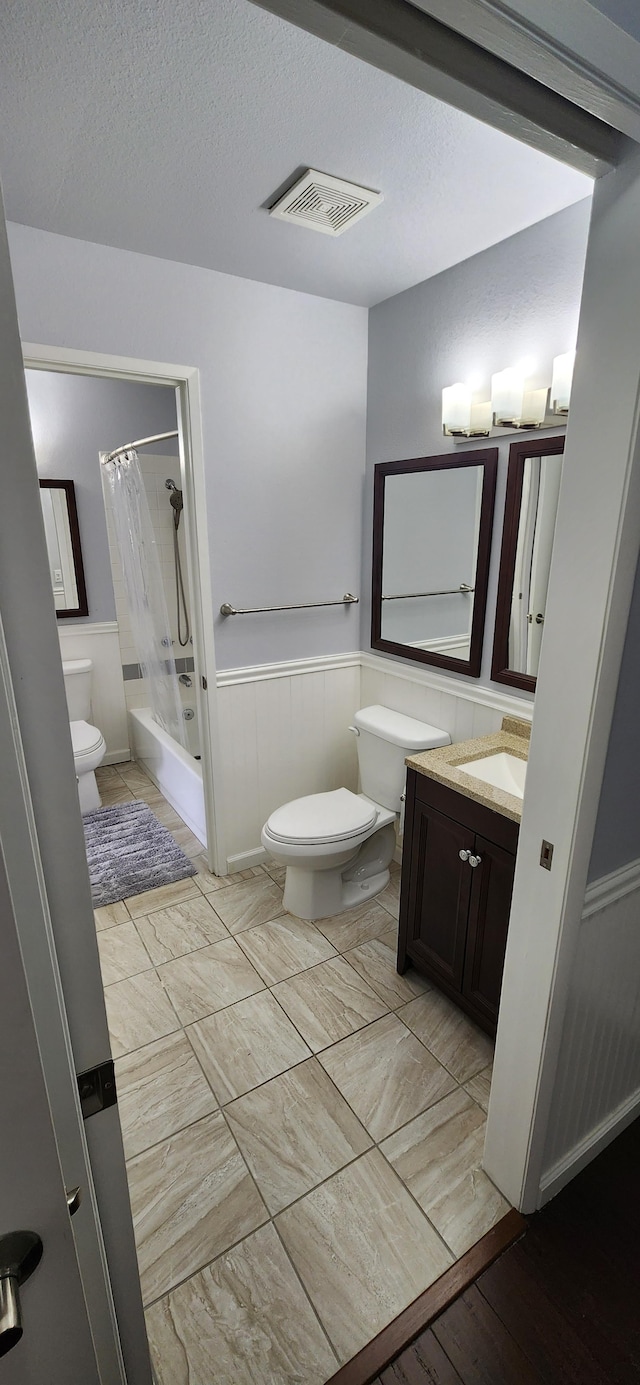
point(99, 642)
point(284, 729)
point(597, 1086)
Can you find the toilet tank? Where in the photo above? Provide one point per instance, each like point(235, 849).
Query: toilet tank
point(384, 741)
point(77, 683)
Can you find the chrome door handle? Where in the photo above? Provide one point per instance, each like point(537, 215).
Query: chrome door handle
point(464, 855)
point(475, 861)
point(20, 1253)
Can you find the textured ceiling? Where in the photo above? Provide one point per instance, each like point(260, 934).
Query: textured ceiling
point(164, 126)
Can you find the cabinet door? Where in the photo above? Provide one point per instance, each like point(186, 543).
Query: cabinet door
point(491, 890)
point(439, 891)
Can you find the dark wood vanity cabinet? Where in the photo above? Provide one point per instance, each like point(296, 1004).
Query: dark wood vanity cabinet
point(454, 915)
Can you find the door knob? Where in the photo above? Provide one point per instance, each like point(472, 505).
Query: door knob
point(20, 1252)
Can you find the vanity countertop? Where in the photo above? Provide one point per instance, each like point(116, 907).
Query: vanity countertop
point(443, 764)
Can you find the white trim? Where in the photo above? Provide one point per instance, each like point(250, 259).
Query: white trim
point(98, 627)
point(186, 380)
point(258, 673)
point(445, 645)
point(243, 860)
point(610, 888)
point(588, 1147)
point(117, 757)
point(457, 687)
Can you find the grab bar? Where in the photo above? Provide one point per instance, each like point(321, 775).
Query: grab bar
point(452, 591)
point(227, 610)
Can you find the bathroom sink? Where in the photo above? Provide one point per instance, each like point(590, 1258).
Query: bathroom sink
point(503, 771)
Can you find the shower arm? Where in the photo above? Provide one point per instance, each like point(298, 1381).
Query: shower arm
point(141, 442)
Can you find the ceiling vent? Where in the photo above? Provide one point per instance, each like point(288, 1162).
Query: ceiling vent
point(324, 203)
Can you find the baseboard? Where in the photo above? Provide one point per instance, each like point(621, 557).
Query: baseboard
point(589, 1147)
point(610, 888)
point(117, 757)
point(243, 860)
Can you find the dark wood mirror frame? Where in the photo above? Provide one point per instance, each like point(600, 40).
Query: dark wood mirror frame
point(518, 453)
point(487, 458)
point(82, 609)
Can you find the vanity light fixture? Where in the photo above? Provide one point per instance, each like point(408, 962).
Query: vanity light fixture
point(512, 405)
point(561, 380)
point(461, 418)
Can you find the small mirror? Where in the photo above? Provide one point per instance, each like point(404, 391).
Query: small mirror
point(533, 485)
point(431, 542)
point(63, 548)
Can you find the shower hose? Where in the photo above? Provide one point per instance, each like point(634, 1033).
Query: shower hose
point(181, 600)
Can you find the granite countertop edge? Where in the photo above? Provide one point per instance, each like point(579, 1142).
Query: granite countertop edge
point(443, 763)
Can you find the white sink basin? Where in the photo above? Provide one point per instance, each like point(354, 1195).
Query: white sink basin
point(503, 771)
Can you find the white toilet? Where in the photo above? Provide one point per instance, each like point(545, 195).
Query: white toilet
point(338, 846)
point(88, 742)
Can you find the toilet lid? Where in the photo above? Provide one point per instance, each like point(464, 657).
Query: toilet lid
point(322, 817)
point(84, 738)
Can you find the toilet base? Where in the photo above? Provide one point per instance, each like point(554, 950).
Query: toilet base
point(88, 792)
point(319, 894)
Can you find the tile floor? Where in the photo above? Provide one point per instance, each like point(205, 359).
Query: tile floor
point(303, 1127)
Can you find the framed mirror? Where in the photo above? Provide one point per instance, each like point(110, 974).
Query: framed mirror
point(432, 522)
point(60, 516)
point(533, 485)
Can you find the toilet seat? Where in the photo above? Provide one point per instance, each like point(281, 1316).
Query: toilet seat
point(85, 739)
point(335, 816)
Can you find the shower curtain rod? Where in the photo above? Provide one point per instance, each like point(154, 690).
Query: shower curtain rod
point(142, 442)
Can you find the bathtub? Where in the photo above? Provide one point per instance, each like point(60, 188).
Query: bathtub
point(175, 771)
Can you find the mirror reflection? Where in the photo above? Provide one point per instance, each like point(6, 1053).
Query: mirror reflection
point(531, 505)
point(431, 547)
point(63, 547)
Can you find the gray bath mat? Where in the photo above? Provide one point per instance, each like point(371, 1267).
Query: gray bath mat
point(129, 851)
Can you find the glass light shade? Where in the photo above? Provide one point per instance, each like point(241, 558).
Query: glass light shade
point(507, 396)
point(561, 382)
point(456, 409)
point(534, 408)
point(480, 420)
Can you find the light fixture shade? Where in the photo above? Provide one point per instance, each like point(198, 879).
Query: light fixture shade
point(456, 409)
point(561, 381)
point(507, 396)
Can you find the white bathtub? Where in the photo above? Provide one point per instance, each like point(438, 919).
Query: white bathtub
point(177, 774)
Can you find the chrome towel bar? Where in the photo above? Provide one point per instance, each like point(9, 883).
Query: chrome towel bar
point(227, 610)
point(451, 591)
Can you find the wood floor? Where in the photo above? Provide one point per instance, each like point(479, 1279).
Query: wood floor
point(562, 1306)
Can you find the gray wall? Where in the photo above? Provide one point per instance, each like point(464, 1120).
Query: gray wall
point(519, 298)
point(73, 418)
point(283, 383)
point(616, 839)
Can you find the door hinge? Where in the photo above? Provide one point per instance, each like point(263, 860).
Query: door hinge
point(97, 1088)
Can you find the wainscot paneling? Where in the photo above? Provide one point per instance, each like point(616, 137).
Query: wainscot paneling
point(450, 703)
point(597, 1087)
point(100, 643)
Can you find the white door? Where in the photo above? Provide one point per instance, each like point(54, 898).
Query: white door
point(52, 1016)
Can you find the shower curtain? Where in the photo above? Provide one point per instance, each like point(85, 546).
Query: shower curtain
point(145, 592)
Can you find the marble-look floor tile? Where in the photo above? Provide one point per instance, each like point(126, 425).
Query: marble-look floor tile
point(108, 915)
point(209, 882)
point(479, 1087)
point(363, 1250)
point(121, 953)
point(294, 1132)
point(376, 962)
point(192, 1197)
point(209, 980)
point(284, 947)
point(245, 1045)
point(439, 1157)
point(168, 817)
point(446, 1031)
point(106, 772)
point(277, 872)
point(170, 933)
point(244, 1320)
point(328, 1002)
point(162, 897)
point(187, 840)
point(248, 904)
point(389, 898)
point(355, 926)
point(161, 1089)
point(138, 1011)
point(386, 1075)
point(112, 794)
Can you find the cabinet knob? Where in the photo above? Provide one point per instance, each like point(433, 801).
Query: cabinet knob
point(464, 855)
point(475, 861)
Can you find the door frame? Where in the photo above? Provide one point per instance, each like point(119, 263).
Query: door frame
point(186, 382)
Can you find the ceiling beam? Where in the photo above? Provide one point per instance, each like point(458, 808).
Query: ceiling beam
point(399, 38)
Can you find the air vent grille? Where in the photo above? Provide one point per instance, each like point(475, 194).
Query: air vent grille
point(324, 203)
